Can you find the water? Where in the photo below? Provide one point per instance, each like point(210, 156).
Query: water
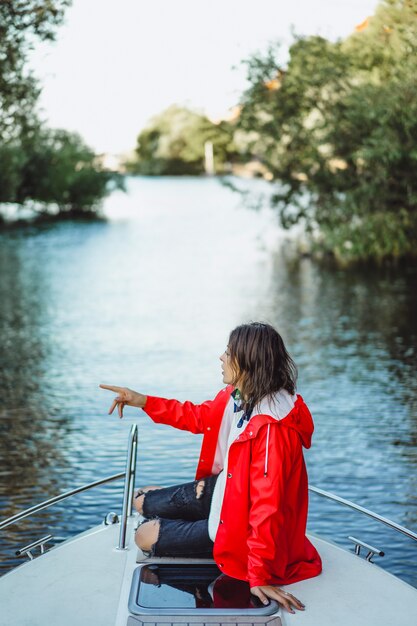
point(146, 300)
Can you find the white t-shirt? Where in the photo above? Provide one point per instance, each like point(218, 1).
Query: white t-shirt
point(227, 434)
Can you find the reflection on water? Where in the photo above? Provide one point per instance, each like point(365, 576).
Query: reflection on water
point(147, 299)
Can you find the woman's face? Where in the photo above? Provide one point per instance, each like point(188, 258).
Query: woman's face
point(229, 374)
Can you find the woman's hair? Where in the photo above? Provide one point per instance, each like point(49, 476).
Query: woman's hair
point(261, 362)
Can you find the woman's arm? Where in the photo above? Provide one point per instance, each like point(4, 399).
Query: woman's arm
point(183, 415)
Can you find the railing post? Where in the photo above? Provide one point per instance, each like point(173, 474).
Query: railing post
point(132, 473)
point(129, 484)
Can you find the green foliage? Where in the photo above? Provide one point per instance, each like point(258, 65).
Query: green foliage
point(54, 167)
point(173, 143)
point(381, 235)
point(337, 128)
point(11, 163)
point(47, 169)
point(21, 23)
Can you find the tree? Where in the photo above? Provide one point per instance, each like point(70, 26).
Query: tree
point(41, 167)
point(22, 22)
point(59, 169)
point(337, 128)
point(173, 143)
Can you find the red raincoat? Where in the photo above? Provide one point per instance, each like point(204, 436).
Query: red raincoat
point(261, 536)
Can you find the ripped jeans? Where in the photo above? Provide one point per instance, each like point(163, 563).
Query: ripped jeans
point(183, 517)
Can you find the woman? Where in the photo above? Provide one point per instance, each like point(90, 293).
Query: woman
point(248, 504)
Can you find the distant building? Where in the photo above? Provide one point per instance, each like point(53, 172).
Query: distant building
point(112, 162)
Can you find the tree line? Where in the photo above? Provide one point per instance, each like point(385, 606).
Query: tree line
point(333, 126)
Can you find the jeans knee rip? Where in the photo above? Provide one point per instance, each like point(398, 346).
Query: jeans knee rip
point(199, 485)
point(150, 553)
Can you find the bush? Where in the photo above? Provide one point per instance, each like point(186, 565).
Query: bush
point(54, 168)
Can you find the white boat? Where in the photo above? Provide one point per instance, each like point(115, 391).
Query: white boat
point(101, 578)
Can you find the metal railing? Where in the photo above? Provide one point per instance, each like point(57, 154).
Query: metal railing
point(62, 496)
point(128, 475)
point(361, 509)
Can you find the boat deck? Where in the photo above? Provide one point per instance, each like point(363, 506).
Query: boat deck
point(86, 581)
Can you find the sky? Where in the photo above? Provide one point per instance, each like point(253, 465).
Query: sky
point(117, 63)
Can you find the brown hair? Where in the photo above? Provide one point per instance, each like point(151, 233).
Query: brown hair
point(261, 361)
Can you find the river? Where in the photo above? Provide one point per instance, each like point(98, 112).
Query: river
point(146, 299)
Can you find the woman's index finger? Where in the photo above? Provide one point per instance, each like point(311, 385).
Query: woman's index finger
point(111, 388)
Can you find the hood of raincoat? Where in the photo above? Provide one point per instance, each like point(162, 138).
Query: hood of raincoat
point(290, 410)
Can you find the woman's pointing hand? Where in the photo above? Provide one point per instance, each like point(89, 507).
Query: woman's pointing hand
point(124, 397)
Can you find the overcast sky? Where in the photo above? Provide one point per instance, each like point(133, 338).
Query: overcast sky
point(116, 63)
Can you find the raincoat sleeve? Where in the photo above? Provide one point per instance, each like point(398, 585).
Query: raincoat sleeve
point(272, 461)
point(184, 415)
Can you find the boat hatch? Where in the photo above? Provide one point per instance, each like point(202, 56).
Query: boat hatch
point(200, 590)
